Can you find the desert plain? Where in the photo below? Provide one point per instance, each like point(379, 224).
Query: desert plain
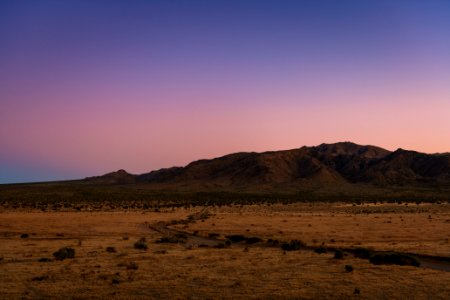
point(192, 252)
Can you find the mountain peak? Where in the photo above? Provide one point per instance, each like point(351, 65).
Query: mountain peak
point(119, 176)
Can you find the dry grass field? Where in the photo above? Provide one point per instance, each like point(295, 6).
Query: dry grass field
point(240, 270)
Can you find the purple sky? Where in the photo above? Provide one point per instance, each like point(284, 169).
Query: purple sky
point(88, 87)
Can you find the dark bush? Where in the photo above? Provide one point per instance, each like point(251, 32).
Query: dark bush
point(45, 259)
point(132, 266)
point(338, 254)
point(39, 278)
point(141, 244)
point(171, 240)
point(253, 240)
point(213, 235)
point(220, 246)
point(236, 238)
point(24, 235)
point(272, 242)
point(181, 236)
point(293, 245)
point(392, 258)
point(63, 253)
point(111, 249)
point(320, 250)
point(348, 268)
point(363, 253)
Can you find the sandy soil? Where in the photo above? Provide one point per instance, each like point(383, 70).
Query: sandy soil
point(171, 271)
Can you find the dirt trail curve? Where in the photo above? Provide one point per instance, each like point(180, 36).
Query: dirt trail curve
point(191, 239)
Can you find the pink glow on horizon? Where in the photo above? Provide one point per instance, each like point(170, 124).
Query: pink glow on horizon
point(88, 87)
point(94, 138)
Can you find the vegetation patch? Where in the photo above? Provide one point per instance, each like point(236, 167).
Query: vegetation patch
point(111, 249)
point(177, 239)
point(237, 238)
point(320, 250)
point(141, 244)
point(63, 253)
point(293, 245)
point(363, 253)
point(338, 254)
point(393, 258)
point(349, 268)
point(253, 240)
point(39, 278)
point(45, 259)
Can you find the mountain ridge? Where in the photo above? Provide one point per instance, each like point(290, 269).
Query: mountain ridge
point(343, 163)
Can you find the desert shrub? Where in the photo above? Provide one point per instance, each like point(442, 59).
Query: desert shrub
point(39, 278)
point(111, 249)
point(213, 235)
point(348, 268)
point(236, 238)
point(272, 242)
point(45, 259)
point(393, 258)
point(141, 244)
point(220, 246)
point(338, 254)
point(320, 250)
point(132, 266)
point(63, 253)
point(253, 240)
point(181, 236)
point(293, 245)
point(24, 235)
point(171, 240)
point(363, 253)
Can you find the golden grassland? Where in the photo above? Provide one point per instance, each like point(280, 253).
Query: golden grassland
point(171, 271)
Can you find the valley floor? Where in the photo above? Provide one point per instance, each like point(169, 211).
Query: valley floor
point(188, 270)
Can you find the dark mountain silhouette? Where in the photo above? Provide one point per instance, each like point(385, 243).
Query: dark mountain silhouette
point(118, 177)
point(342, 164)
point(339, 166)
point(338, 163)
point(328, 172)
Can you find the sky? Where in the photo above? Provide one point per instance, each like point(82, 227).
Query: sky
point(89, 87)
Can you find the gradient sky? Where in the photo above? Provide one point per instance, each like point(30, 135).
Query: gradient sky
point(88, 87)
